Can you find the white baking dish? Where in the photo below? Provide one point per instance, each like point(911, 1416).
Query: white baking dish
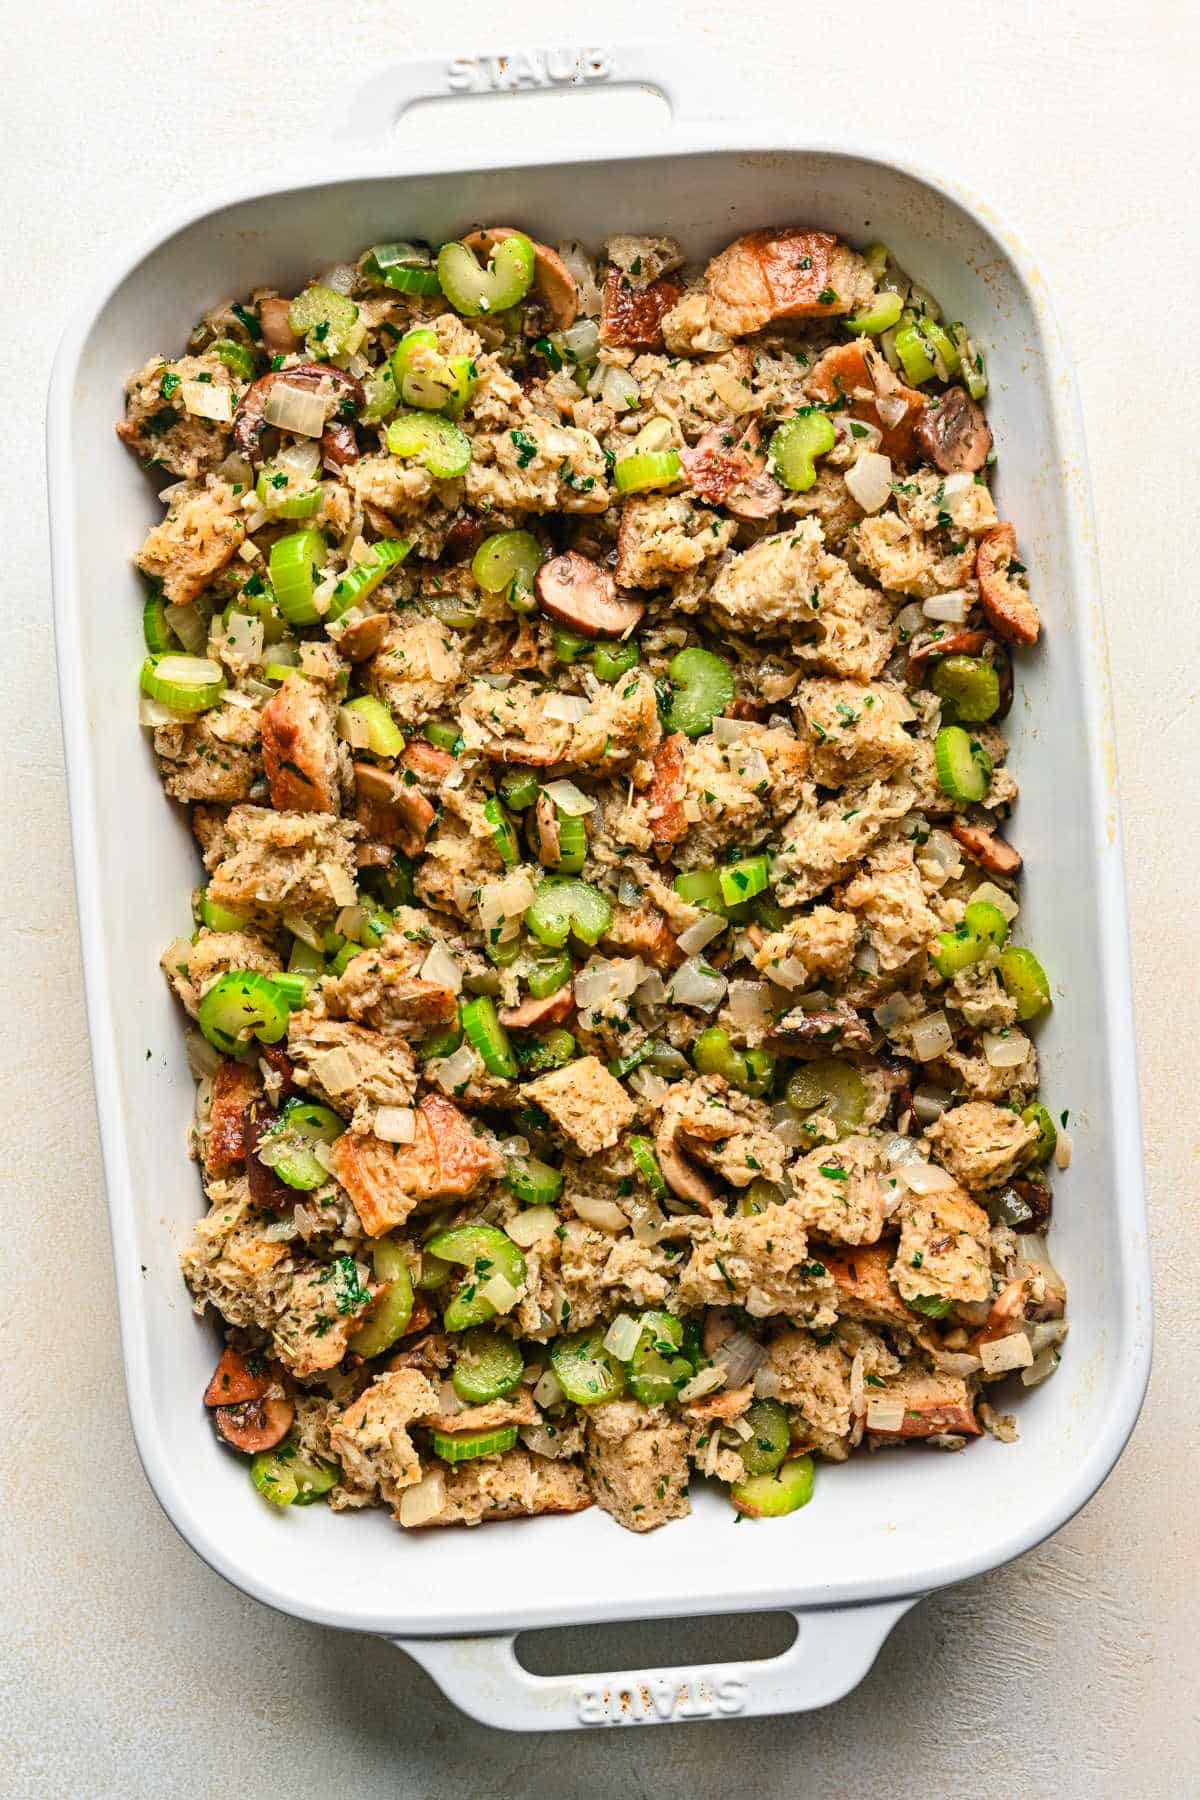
point(881, 1531)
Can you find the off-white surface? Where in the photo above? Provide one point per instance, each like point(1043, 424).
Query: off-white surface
point(131, 1670)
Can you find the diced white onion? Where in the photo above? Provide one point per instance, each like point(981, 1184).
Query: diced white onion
point(424, 1500)
point(542, 1440)
point(729, 731)
point(1002, 1354)
point(502, 904)
point(869, 482)
point(569, 799)
point(441, 969)
point(190, 627)
point(996, 896)
point(241, 702)
point(623, 1337)
point(929, 1103)
point(582, 340)
point(340, 885)
point(605, 980)
point(341, 278)
point(395, 1124)
point(950, 608)
point(548, 1391)
point(893, 1011)
point(1040, 1369)
point(648, 1086)
point(1005, 1049)
point(891, 408)
point(897, 1149)
point(942, 849)
point(203, 1057)
point(956, 1362)
point(567, 708)
point(705, 1381)
point(790, 973)
point(618, 389)
point(350, 921)
point(205, 400)
point(931, 1036)
point(296, 409)
point(336, 1070)
point(707, 927)
point(788, 1127)
point(749, 1005)
point(499, 1292)
point(651, 990)
point(647, 1221)
point(1063, 1149)
point(236, 471)
point(302, 461)
point(602, 1215)
point(1047, 1334)
point(742, 1357)
point(925, 1177)
point(153, 713)
point(305, 930)
point(243, 636)
point(736, 394)
point(885, 1415)
point(694, 985)
point(956, 485)
point(454, 1072)
point(533, 1225)
point(863, 437)
point(866, 958)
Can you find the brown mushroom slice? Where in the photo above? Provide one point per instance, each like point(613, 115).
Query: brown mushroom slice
point(364, 636)
point(249, 421)
point(257, 1424)
point(389, 810)
point(955, 435)
point(682, 1176)
point(549, 838)
point(951, 643)
point(833, 1025)
point(1010, 611)
point(532, 1013)
point(578, 593)
point(339, 446)
point(553, 282)
point(987, 848)
point(234, 1380)
point(277, 333)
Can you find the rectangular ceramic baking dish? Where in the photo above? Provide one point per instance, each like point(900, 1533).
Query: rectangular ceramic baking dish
point(881, 1531)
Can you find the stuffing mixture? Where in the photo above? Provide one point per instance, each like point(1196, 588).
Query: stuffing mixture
point(585, 678)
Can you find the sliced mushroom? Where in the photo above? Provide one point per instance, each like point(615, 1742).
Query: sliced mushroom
point(987, 848)
point(339, 446)
point(1009, 609)
point(463, 538)
point(832, 1025)
point(531, 1013)
point(363, 638)
point(234, 1381)
point(951, 643)
point(390, 810)
point(553, 282)
point(580, 594)
point(256, 1425)
point(727, 468)
point(549, 838)
point(682, 1177)
point(955, 435)
point(278, 335)
point(267, 1192)
point(281, 1063)
point(372, 853)
point(249, 421)
point(1037, 1197)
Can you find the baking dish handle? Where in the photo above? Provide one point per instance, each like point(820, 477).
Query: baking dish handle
point(685, 73)
point(833, 1649)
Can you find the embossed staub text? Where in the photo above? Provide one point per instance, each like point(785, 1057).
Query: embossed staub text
point(657, 1699)
point(507, 73)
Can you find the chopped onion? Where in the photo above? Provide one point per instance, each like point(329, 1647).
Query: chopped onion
point(1001, 1355)
point(542, 1440)
point(956, 485)
point(956, 1362)
point(236, 471)
point(353, 728)
point(647, 1221)
point(305, 930)
point(205, 400)
point(941, 848)
point(891, 409)
point(153, 713)
point(424, 1500)
point(742, 1357)
point(583, 269)
point(502, 905)
point(342, 889)
point(950, 608)
point(454, 1072)
point(893, 1011)
point(931, 1036)
point(1063, 1149)
point(341, 278)
point(336, 1070)
point(568, 708)
point(190, 627)
point(602, 1215)
point(242, 702)
point(922, 1177)
point(789, 972)
point(866, 958)
point(604, 980)
point(302, 461)
point(705, 1381)
point(897, 1149)
point(499, 1292)
point(737, 394)
point(693, 984)
point(648, 1086)
point(1047, 1334)
point(707, 927)
point(296, 409)
point(548, 1391)
point(203, 1058)
point(870, 480)
point(569, 799)
point(533, 1225)
point(395, 1124)
point(749, 1005)
point(996, 896)
point(623, 1337)
point(582, 340)
point(863, 437)
point(730, 731)
point(441, 969)
point(929, 1103)
point(1040, 1369)
point(789, 1128)
point(1005, 1049)
point(651, 990)
point(350, 921)
point(243, 636)
point(885, 1415)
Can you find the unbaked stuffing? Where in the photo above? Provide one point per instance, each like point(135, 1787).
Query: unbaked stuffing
point(584, 672)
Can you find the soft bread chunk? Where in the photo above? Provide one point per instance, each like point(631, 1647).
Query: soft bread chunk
point(783, 273)
point(385, 1181)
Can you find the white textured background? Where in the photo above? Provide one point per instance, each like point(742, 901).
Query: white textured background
point(129, 1669)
